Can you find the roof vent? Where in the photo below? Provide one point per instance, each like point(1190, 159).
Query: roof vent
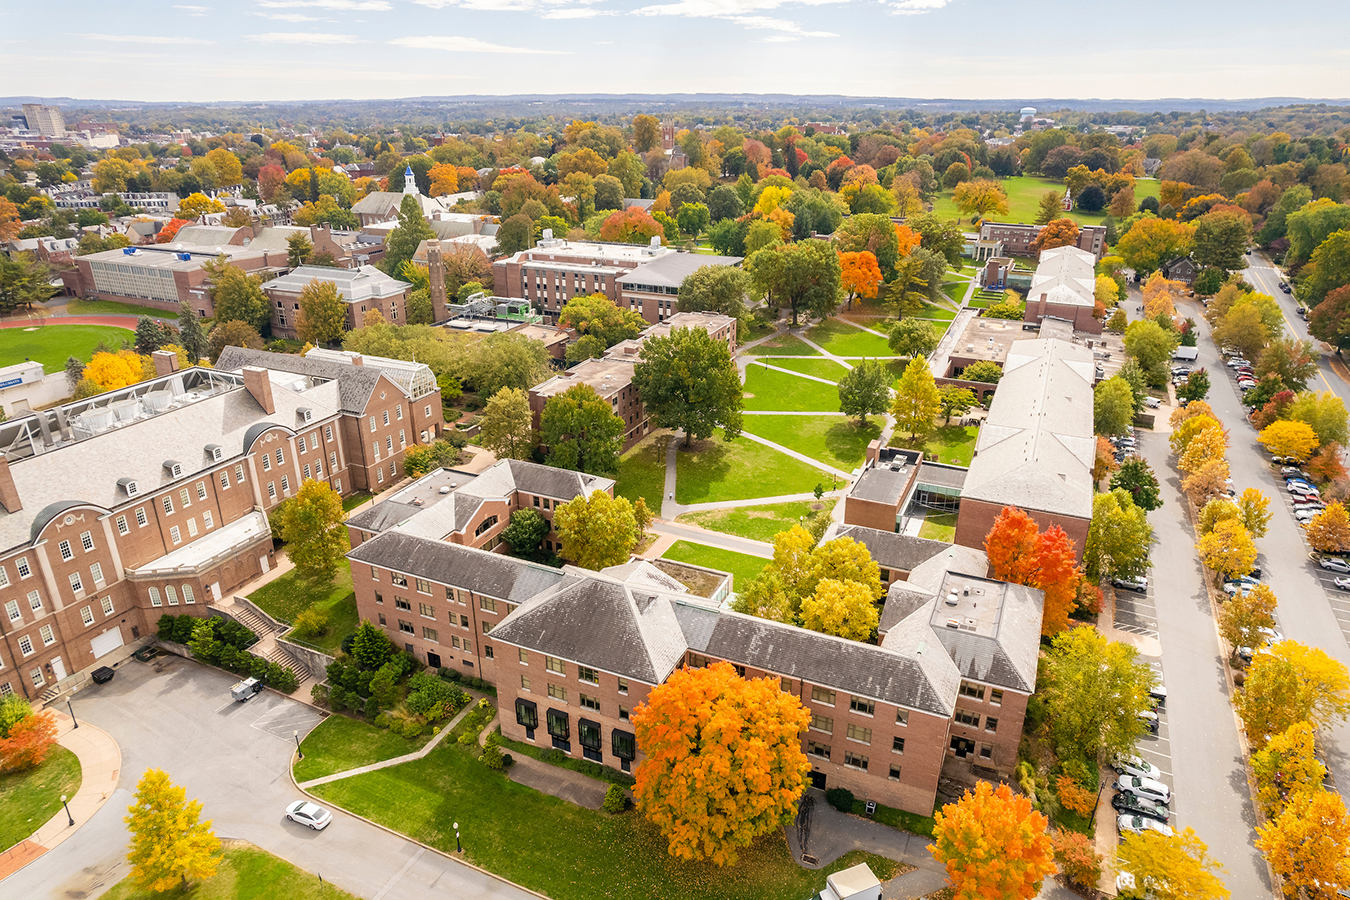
point(306, 414)
point(953, 623)
point(175, 468)
point(445, 489)
point(951, 599)
point(215, 451)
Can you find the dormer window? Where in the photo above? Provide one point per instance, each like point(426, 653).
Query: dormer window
point(128, 485)
point(306, 414)
point(215, 452)
point(174, 468)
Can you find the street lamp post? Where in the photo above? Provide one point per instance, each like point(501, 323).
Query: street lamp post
point(69, 817)
point(459, 848)
point(72, 713)
point(299, 753)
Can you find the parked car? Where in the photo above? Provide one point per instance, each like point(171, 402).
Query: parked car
point(1126, 802)
point(1150, 720)
point(1237, 361)
point(311, 814)
point(243, 690)
point(1138, 585)
point(1342, 583)
point(1147, 788)
point(1128, 889)
point(1303, 488)
point(1332, 564)
point(1152, 402)
point(1233, 585)
point(1304, 515)
point(1294, 471)
point(1140, 824)
point(1301, 500)
point(1272, 637)
point(1136, 765)
point(1284, 288)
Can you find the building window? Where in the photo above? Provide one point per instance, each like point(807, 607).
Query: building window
point(587, 674)
point(303, 445)
point(224, 480)
point(902, 717)
point(423, 586)
point(986, 751)
point(280, 458)
point(22, 565)
point(76, 583)
point(895, 773)
point(175, 535)
point(87, 541)
point(557, 692)
point(267, 463)
point(372, 423)
point(969, 689)
point(401, 603)
point(487, 627)
point(201, 490)
point(382, 620)
point(623, 686)
point(386, 417)
point(430, 634)
point(154, 597)
point(822, 723)
point(405, 627)
point(328, 433)
point(87, 615)
point(271, 490)
point(192, 527)
point(4, 577)
point(188, 596)
point(388, 443)
point(554, 664)
point(141, 520)
point(859, 734)
point(898, 745)
point(35, 601)
point(208, 520)
point(183, 497)
point(967, 718)
point(398, 579)
point(285, 484)
point(818, 749)
point(427, 610)
point(122, 527)
point(48, 637)
point(107, 606)
point(487, 604)
point(995, 698)
point(36, 675)
point(854, 760)
point(67, 554)
point(524, 657)
point(590, 702)
point(12, 611)
point(172, 593)
point(990, 724)
point(821, 695)
point(239, 474)
point(398, 412)
point(861, 706)
point(379, 475)
point(374, 574)
point(26, 645)
point(168, 506)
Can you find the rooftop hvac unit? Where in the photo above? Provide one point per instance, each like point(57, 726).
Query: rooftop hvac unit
point(97, 420)
point(157, 401)
point(125, 410)
point(129, 251)
point(185, 257)
point(953, 623)
point(445, 489)
point(951, 599)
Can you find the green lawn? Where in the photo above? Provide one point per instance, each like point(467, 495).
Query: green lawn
point(245, 873)
point(939, 527)
point(931, 311)
point(352, 501)
point(642, 471)
point(757, 523)
point(835, 440)
point(955, 290)
point(288, 596)
point(812, 365)
point(560, 849)
point(1024, 198)
point(952, 443)
point(51, 345)
point(843, 339)
point(338, 743)
point(714, 471)
point(112, 308)
point(29, 798)
point(783, 345)
point(773, 391)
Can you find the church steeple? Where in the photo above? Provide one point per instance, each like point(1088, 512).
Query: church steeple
point(410, 181)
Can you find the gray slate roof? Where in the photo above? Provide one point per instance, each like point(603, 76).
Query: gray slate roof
point(490, 574)
point(355, 383)
point(894, 551)
point(670, 270)
point(1006, 658)
point(902, 599)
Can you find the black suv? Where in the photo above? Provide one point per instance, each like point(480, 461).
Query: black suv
point(1129, 803)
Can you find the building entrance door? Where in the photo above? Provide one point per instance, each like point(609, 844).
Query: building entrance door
point(58, 669)
point(963, 747)
point(818, 780)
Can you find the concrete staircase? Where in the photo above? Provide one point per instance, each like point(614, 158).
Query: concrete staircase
point(267, 646)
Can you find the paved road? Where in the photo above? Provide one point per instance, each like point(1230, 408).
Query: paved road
point(1209, 781)
point(233, 757)
point(1263, 275)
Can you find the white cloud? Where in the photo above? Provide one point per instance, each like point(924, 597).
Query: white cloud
point(721, 9)
point(576, 13)
point(143, 39)
point(915, 7)
point(791, 31)
point(558, 9)
point(342, 5)
point(465, 45)
point(291, 17)
point(302, 37)
point(194, 10)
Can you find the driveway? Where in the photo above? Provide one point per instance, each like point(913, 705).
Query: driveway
point(234, 758)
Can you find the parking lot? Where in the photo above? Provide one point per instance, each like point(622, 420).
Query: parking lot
point(1135, 612)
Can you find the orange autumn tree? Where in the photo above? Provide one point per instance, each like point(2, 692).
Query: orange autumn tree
point(908, 239)
point(1059, 233)
point(859, 274)
point(170, 231)
point(1019, 552)
point(10, 226)
point(994, 845)
point(724, 763)
point(27, 742)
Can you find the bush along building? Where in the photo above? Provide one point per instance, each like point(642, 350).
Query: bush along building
point(153, 499)
point(573, 652)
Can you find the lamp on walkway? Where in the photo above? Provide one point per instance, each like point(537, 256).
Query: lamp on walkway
point(299, 753)
point(68, 815)
point(459, 848)
point(72, 713)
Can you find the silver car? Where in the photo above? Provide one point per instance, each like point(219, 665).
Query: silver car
point(1137, 766)
point(1141, 824)
point(1145, 787)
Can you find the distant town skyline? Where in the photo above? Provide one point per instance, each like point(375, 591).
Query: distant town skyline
point(371, 49)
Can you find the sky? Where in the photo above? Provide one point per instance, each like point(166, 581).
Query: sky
point(208, 50)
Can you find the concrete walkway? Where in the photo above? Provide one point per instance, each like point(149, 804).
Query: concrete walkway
point(698, 535)
point(100, 764)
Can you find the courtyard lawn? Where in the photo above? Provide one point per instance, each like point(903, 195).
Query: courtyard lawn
point(843, 339)
point(742, 566)
point(953, 444)
point(338, 743)
point(930, 311)
point(51, 345)
point(352, 501)
point(560, 849)
point(714, 471)
point(112, 308)
point(245, 873)
point(766, 389)
point(642, 471)
point(31, 797)
point(955, 290)
point(939, 527)
point(807, 365)
point(757, 523)
point(835, 440)
point(288, 596)
point(783, 345)
point(1024, 198)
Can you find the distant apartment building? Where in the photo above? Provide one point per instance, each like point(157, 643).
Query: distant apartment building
point(153, 201)
point(1008, 239)
point(45, 120)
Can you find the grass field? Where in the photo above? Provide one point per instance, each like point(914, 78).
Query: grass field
point(244, 873)
point(560, 849)
point(842, 339)
point(931, 311)
point(288, 596)
point(756, 523)
point(338, 743)
point(642, 471)
point(808, 365)
point(939, 527)
point(766, 389)
point(352, 501)
point(113, 308)
point(715, 471)
point(1024, 198)
point(835, 440)
point(31, 797)
point(955, 290)
point(783, 345)
point(742, 566)
point(952, 443)
point(51, 345)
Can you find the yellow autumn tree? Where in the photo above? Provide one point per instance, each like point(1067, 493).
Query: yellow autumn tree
point(1306, 844)
point(1160, 296)
point(1329, 530)
point(1186, 431)
point(1292, 683)
point(1286, 768)
point(993, 844)
point(842, 608)
point(1209, 444)
point(444, 179)
point(111, 371)
point(1289, 438)
point(194, 205)
point(170, 846)
point(1207, 480)
point(723, 761)
point(1106, 291)
point(1229, 549)
point(1190, 411)
point(1182, 859)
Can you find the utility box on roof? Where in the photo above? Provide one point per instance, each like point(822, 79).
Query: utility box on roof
point(857, 883)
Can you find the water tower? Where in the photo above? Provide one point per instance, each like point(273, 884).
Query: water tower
point(1028, 112)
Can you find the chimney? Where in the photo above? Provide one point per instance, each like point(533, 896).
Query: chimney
point(358, 360)
point(436, 275)
point(166, 362)
point(260, 386)
point(9, 494)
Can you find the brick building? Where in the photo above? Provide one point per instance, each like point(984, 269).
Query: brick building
point(1016, 239)
point(163, 275)
point(1064, 287)
point(362, 289)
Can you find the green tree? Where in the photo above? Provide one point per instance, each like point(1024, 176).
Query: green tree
point(955, 401)
point(715, 289)
point(1292, 360)
point(917, 401)
point(1324, 412)
point(608, 192)
point(1112, 406)
point(526, 532)
point(913, 337)
point(581, 432)
point(1049, 207)
point(1135, 477)
point(506, 359)
point(508, 425)
point(237, 296)
point(687, 380)
point(598, 316)
point(191, 337)
point(984, 371)
point(323, 313)
point(596, 531)
point(693, 219)
point(1329, 268)
point(725, 203)
point(1310, 225)
point(298, 249)
point(1152, 346)
point(1195, 387)
point(1094, 691)
point(170, 846)
point(311, 525)
point(150, 336)
point(404, 240)
point(371, 647)
point(418, 307)
point(1222, 238)
point(866, 388)
point(804, 277)
point(1119, 537)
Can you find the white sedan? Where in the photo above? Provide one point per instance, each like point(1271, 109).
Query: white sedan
point(1137, 766)
point(1141, 824)
point(311, 814)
